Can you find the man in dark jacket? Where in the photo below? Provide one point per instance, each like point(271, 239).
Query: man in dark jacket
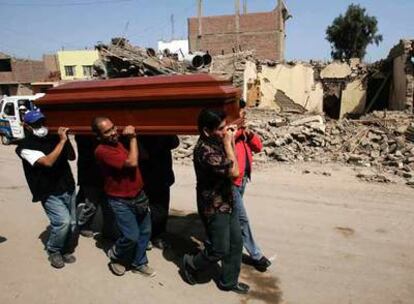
point(157, 171)
point(49, 177)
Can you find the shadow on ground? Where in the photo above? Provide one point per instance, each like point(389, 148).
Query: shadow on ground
point(185, 235)
point(44, 236)
point(2, 239)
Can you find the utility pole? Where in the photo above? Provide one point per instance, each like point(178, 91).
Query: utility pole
point(172, 27)
point(200, 29)
point(244, 7)
point(237, 16)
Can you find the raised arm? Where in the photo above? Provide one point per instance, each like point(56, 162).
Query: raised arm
point(50, 159)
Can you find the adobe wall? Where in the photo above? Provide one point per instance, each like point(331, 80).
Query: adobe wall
point(402, 86)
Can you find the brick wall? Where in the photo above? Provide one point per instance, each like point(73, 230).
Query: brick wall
point(263, 32)
point(24, 71)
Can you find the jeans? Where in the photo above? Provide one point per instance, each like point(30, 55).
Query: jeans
point(61, 211)
point(248, 241)
point(135, 233)
point(225, 245)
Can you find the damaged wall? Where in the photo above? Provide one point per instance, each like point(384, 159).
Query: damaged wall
point(345, 88)
point(353, 98)
point(402, 86)
point(296, 81)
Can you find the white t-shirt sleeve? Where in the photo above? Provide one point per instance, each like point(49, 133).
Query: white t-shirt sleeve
point(31, 155)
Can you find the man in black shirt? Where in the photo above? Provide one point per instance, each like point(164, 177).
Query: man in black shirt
point(157, 171)
point(49, 177)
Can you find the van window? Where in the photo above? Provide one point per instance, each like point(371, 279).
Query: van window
point(9, 109)
point(24, 102)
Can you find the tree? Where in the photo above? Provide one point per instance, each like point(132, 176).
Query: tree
point(350, 35)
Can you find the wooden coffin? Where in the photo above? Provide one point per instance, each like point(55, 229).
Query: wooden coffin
point(154, 105)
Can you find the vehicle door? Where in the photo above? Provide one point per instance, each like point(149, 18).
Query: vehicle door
point(10, 112)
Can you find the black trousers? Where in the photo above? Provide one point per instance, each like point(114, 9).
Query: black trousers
point(159, 200)
point(224, 244)
point(94, 212)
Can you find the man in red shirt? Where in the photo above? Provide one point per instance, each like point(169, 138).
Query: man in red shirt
point(123, 186)
point(247, 142)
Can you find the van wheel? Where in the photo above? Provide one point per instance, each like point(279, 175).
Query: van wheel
point(5, 140)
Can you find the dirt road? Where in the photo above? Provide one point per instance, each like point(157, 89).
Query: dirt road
point(337, 240)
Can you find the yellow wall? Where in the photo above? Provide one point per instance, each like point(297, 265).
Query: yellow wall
point(78, 59)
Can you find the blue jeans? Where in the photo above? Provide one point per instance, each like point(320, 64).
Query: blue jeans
point(248, 241)
point(135, 233)
point(61, 211)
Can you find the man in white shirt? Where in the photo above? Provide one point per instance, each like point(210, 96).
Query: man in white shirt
point(49, 177)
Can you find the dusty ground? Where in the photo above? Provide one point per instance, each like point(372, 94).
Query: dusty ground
point(337, 240)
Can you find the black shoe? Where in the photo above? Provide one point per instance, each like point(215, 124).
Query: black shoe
point(262, 264)
point(69, 258)
point(56, 260)
point(188, 272)
point(240, 288)
point(160, 243)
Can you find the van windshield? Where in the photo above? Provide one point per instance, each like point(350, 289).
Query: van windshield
point(24, 102)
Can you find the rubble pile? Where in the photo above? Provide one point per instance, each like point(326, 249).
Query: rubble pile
point(376, 141)
point(232, 66)
point(121, 59)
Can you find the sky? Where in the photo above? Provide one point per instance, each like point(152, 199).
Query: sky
point(30, 28)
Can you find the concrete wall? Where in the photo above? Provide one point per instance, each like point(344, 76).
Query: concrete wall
point(262, 32)
point(297, 82)
point(78, 58)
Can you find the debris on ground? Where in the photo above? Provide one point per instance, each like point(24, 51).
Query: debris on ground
point(378, 141)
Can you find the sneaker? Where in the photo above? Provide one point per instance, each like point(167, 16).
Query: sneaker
point(149, 246)
point(145, 270)
point(116, 268)
point(56, 260)
point(187, 271)
point(262, 264)
point(69, 258)
point(86, 233)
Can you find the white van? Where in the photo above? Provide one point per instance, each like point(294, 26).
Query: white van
point(11, 124)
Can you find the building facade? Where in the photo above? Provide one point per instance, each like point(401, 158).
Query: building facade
point(16, 75)
point(77, 65)
point(262, 32)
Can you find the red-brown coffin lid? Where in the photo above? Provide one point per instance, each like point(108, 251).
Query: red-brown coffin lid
point(154, 105)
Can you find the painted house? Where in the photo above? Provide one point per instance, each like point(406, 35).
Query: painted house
point(77, 64)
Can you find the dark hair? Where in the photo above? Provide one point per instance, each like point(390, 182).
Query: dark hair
point(95, 124)
point(210, 119)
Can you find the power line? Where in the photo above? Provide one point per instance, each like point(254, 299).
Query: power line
point(160, 25)
point(77, 3)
